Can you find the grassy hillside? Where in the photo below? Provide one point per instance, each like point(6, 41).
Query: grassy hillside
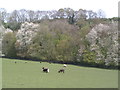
point(29, 75)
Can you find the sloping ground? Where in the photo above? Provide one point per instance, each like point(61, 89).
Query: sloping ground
point(29, 75)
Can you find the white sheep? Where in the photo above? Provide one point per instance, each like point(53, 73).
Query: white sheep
point(64, 65)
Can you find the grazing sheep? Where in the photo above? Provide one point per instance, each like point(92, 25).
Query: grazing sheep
point(64, 65)
point(45, 70)
point(61, 70)
point(15, 62)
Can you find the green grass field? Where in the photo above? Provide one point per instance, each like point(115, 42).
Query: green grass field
point(29, 75)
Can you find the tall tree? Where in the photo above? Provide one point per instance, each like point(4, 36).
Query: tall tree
point(31, 15)
point(3, 14)
point(101, 14)
point(91, 14)
point(8, 45)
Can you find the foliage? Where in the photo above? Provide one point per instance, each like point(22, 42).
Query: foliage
point(54, 42)
point(42, 46)
point(12, 25)
point(20, 16)
point(89, 57)
point(104, 51)
point(8, 45)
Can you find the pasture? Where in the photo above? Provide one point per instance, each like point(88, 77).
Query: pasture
point(29, 75)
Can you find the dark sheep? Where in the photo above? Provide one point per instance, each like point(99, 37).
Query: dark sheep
point(45, 70)
point(15, 62)
point(61, 70)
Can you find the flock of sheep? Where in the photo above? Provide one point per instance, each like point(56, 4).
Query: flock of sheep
point(46, 70)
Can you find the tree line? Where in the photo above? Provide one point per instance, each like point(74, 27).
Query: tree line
point(14, 19)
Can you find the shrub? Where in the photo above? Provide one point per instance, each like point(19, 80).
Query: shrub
point(8, 44)
point(89, 57)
